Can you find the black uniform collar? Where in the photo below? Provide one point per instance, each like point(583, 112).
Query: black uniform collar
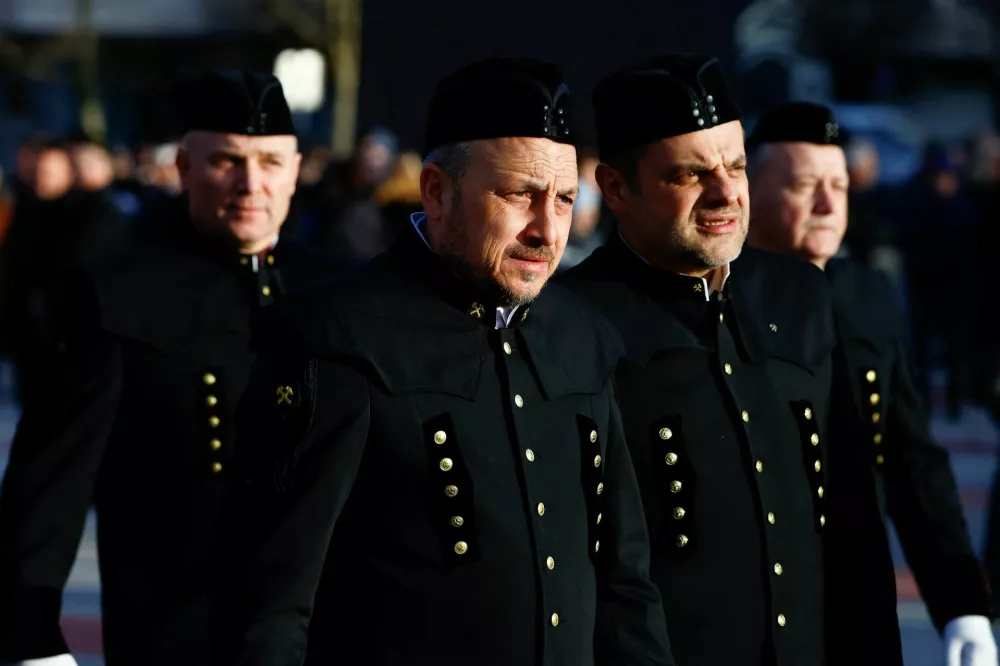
point(657, 283)
point(416, 257)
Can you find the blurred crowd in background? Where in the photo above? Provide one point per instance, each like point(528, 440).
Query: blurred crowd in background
point(70, 200)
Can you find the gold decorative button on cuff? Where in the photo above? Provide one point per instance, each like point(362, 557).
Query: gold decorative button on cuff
point(675, 486)
point(457, 521)
point(679, 513)
point(671, 458)
point(440, 437)
point(451, 491)
point(446, 464)
point(682, 541)
point(461, 548)
point(666, 433)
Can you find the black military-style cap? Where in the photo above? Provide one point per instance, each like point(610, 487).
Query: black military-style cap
point(798, 122)
point(235, 102)
point(500, 97)
point(662, 97)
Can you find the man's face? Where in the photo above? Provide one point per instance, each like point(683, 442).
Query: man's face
point(505, 222)
point(689, 211)
point(239, 186)
point(800, 200)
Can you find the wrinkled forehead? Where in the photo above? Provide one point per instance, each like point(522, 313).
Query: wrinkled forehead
point(716, 145)
point(534, 159)
point(240, 144)
point(802, 158)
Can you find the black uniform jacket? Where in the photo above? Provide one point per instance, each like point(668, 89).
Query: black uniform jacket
point(913, 473)
point(727, 402)
point(139, 422)
point(457, 494)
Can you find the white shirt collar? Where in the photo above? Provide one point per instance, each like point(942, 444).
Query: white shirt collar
point(504, 315)
point(719, 276)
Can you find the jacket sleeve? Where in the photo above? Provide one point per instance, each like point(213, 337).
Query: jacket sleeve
point(924, 504)
point(296, 465)
point(49, 485)
point(631, 626)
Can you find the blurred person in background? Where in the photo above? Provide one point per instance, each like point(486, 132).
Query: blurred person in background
point(585, 236)
point(57, 228)
point(349, 222)
point(139, 417)
point(799, 178)
point(940, 233)
point(399, 194)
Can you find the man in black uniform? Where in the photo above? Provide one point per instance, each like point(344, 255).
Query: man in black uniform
point(437, 447)
point(800, 184)
point(140, 420)
point(726, 388)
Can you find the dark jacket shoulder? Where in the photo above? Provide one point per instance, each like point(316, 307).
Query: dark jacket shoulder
point(864, 301)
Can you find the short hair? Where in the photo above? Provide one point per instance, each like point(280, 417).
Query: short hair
point(627, 164)
point(452, 158)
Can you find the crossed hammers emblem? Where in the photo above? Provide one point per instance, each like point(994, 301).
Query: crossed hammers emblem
point(476, 310)
point(285, 394)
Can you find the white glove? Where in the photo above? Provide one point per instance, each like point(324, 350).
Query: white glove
point(58, 660)
point(968, 641)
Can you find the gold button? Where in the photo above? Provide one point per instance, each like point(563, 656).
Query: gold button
point(461, 548)
point(597, 461)
point(778, 569)
point(600, 488)
point(451, 491)
point(671, 458)
point(244, 260)
point(457, 521)
point(597, 546)
point(216, 467)
point(808, 414)
point(440, 437)
point(877, 438)
point(593, 436)
point(679, 513)
point(446, 464)
point(530, 455)
point(214, 421)
point(682, 541)
point(722, 318)
point(876, 417)
point(519, 401)
point(746, 416)
point(817, 466)
point(871, 376)
point(265, 290)
point(208, 378)
point(822, 520)
point(270, 260)
point(506, 348)
point(879, 459)
point(599, 516)
point(819, 491)
point(728, 368)
point(550, 563)
point(760, 466)
point(666, 433)
point(873, 398)
point(781, 620)
point(814, 438)
point(216, 444)
point(675, 486)
point(770, 518)
point(211, 401)
point(541, 509)
point(555, 619)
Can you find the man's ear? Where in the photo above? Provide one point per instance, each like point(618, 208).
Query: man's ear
point(614, 188)
point(435, 191)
